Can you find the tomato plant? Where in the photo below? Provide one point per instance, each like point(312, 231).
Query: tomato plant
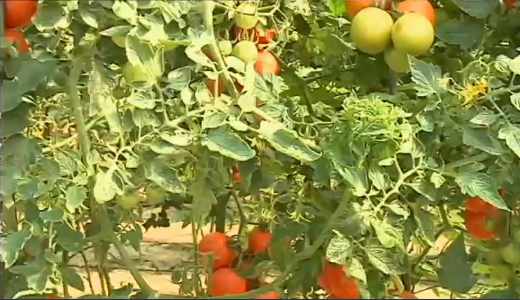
point(310, 149)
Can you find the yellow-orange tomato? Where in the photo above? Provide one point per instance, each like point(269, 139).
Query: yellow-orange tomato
point(355, 6)
point(267, 63)
point(18, 13)
point(423, 7)
point(18, 39)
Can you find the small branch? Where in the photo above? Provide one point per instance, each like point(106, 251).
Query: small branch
point(87, 270)
point(65, 257)
point(243, 220)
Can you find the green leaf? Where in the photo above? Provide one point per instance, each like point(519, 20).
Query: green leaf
point(159, 172)
point(500, 294)
point(101, 98)
point(355, 176)
point(425, 220)
point(479, 9)
point(29, 75)
point(213, 119)
point(126, 10)
point(37, 273)
point(134, 237)
point(455, 273)
point(68, 239)
point(515, 99)
point(14, 244)
point(337, 7)
point(482, 140)
point(51, 14)
point(287, 142)
point(481, 185)
point(182, 140)
point(14, 121)
point(426, 77)
point(180, 78)
point(512, 136)
point(384, 260)
point(105, 189)
point(514, 65)
point(247, 102)
point(72, 278)
point(141, 54)
point(466, 33)
point(339, 249)
point(388, 235)
point(75, 195)
point(227, 143)
point(52, 215)
point(203, 198)
point(485, 118)
point(356, 270)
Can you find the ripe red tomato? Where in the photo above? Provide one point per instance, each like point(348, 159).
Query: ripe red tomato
point(18, 39)
point(355, 6)
point(477, 226)
point(216, 243)
point(478, 206)
point(18, 13)
point(510, 4)
point(423, 7)
point(267, 63)
point(227, 282)
point(259, 241)
point(337, 284)
point(267, 36)
point(270, 295)
point(407, 295)
point(237, 177)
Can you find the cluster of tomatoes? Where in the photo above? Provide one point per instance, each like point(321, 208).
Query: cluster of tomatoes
point(412, 33)
point(226, 280)
point(18, 14)
point(486, 223)
point(251, 45)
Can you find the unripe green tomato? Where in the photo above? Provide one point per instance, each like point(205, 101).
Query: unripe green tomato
point(119, 40)
point(511, 254)
point(413, 34)
point(246, 51)
point(371, 30)
point(137, 75)
point(155, 195)
point(245, 17)
point(225, 46)
point(501, 272)
point(397, 61)
point(128, 201)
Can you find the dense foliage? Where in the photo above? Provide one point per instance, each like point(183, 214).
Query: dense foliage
point(346, 139)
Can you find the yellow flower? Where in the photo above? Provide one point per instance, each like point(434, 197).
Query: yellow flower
point(473, 92)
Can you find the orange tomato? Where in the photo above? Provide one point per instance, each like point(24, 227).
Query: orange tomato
point(226, 282)
point(423, 7)
point(337, 284)
point(216, 243)
point(267, 63)
point(259, 241)
point(18, 13)
point(237, 177)
point(510, 4)
point(481, 218)
point(355, 6)
point(407, 295)
point(18, 39)
point(270, 295)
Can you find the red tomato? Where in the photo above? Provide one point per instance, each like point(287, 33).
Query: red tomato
point(477, 205)
point(267, 63)
point(477, 226)
point(18, 39)
point(423, 7)
point(355, 6)
point(216, 243)
point(227, 282)
point(237, 177)
point(510, 4)
point(407, 295)
point(267, 36)
point(337, 284)
point(259, 241)
point(18, 13)
point(270, 295)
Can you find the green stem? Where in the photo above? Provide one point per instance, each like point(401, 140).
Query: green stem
point(220, 213)
point(207, 15)
point(243, 220)
point(79, 118)
point(66, 293)
point(87, 270)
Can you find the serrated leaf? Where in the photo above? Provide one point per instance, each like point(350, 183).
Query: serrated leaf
point(479, 9)
point(455, 273)
point(426, 77)
point(287, 142)
point(181, 140)
point(180, 78)
point(75, 195)
point(481, 185)
point(398, 209)
point(485, 118)
point(229, 144)
point(102, 99)
point(339, 249)
point(159, 172)
point(213, 119)
point(356, 270)
point(388, 235)
point(482, 140)
point(425, 221)
point(14, 244)
point(515, 100)
point(384, 260)
point(512, 136)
